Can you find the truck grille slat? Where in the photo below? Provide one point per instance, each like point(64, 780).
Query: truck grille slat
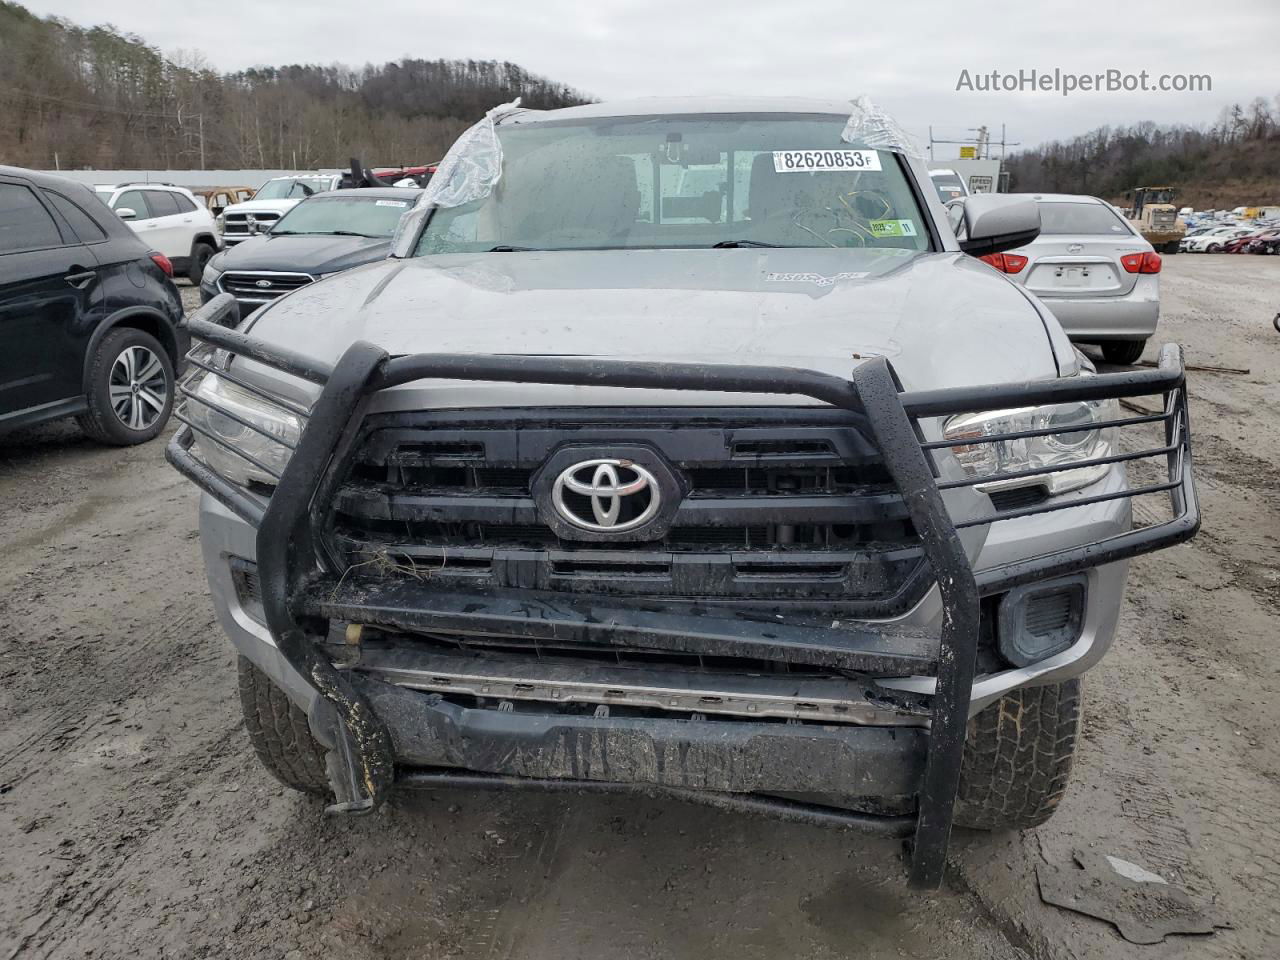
point(797, 510)
point(236, 225)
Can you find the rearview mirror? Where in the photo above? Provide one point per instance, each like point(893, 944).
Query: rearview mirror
point(126, 213)
point(993, 223)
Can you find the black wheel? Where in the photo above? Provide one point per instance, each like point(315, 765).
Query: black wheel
point(131, 388)
point(280, 734)
point(1171, 247)
point(1123, 351)
point(1213, 248)
point(200, 255)
point(1017, 758)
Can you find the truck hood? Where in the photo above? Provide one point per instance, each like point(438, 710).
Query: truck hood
point(942, 319)
point(255, 206)
point(315, 255)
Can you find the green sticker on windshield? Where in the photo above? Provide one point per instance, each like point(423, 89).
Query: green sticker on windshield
point(893, 228)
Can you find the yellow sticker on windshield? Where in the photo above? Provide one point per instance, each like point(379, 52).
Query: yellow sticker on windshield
point(893, 228)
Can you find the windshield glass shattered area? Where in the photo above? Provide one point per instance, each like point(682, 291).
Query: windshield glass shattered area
point(685, 182)
point(291, 189)
point(366, 217)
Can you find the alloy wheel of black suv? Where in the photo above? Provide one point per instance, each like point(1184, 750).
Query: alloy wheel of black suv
point(89, 316)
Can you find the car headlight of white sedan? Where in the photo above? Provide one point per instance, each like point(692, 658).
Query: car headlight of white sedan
point(1044, 449)
point(239, 435)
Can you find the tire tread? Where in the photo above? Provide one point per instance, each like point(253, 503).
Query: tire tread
point(279, 732)
point(1018, 756)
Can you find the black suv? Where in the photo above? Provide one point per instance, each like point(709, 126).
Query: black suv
point(88, 314)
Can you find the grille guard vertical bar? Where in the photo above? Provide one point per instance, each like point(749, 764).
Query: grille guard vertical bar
point(895, 435)
point(285, 543)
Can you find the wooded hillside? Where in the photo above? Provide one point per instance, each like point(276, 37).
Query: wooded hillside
point(94, 97)
point(1234, 162)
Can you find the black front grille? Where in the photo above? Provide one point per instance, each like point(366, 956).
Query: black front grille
point(779, 506)
point(262, 286)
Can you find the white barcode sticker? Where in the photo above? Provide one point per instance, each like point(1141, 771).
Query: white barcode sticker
point(391, 203)
point(810, 161)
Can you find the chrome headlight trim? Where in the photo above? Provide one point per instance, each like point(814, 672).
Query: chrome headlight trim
point(996, 457)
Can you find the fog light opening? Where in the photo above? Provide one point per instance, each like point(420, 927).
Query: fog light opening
point(1039, 621)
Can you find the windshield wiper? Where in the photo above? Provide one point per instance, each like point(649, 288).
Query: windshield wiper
point(352, 233)
point(508, 248)
point(727, 244)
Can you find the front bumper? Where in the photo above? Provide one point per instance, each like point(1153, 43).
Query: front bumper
point(379, 730)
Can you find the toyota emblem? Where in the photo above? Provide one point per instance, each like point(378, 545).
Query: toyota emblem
point(606, 495)
point(263, 284)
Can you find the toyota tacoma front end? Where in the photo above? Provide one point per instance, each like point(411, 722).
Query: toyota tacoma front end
point(679, 449)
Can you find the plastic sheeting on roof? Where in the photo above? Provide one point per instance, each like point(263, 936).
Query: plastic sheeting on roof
point(869, 126)
point(473, 164)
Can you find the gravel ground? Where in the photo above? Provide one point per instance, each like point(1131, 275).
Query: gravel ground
point(136, 823)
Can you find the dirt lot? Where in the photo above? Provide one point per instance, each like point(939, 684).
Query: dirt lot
point(135, 822)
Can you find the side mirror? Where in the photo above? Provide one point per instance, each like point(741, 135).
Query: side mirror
point(126, 213)
point(993, 223)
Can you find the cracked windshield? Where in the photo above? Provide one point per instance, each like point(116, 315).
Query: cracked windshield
point(690, 182)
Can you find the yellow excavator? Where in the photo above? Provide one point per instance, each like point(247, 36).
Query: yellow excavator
point(1152, 212)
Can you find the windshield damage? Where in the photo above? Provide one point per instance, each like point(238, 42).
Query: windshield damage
point(696, 181)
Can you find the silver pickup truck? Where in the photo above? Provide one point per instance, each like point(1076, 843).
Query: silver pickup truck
point(679, 448)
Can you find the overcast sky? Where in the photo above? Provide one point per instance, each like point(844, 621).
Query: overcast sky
point(906, 54)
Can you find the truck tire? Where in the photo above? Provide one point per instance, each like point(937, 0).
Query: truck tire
point(1017, 758)
point(1171, 247)
point(280, 734)
point(201, 253)
point(130, 389)
point(1123, 351)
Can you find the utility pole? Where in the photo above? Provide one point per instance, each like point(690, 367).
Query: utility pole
point(200, 117)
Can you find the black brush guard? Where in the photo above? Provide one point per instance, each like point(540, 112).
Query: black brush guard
point(287, 540)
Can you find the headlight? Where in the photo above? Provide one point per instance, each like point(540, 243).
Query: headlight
point(989, 459)
point(210, 275)
point(215, 394)
point(220, 223)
